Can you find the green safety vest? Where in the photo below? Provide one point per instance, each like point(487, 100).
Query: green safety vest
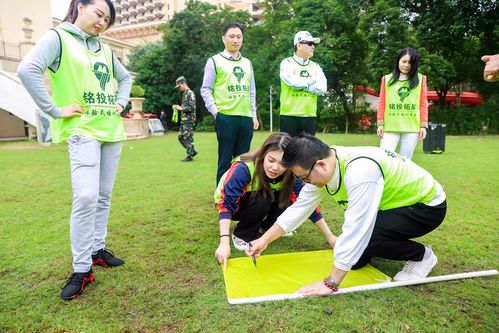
point(85, 77)
point(402, 106)
point(299, 103)
point(251, 167)
point(406, 183)
point(232, 86)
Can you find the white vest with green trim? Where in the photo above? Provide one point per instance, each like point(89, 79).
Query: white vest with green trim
point(406, 183)
point(251, 167)
point(402, 112)
point(85, 77)
point(299, 103)
point(231, 90)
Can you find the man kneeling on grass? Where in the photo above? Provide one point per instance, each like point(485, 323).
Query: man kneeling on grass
point(388, 200)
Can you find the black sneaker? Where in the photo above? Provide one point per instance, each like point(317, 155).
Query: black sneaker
point(187, 159)
point(195, 153)
point(106, 258)
point(73, 287)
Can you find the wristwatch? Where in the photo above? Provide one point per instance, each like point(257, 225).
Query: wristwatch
point(329, 282)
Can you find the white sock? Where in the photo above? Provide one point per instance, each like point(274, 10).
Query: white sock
point(427, 253)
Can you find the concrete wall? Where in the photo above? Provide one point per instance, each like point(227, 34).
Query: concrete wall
point(11, 126)
point(12, 13)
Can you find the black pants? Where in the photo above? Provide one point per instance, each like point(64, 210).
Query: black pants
point(394, 228)
point(296, 125)
point(256, 213)
point(234, 134)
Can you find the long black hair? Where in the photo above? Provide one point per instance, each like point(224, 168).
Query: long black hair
point(413, 74)
point(72, 13)
point(277, 141)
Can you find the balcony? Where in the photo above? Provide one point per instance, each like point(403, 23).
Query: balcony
point(158, 3)
point(125, 5)
point(126, 15)
point(149, 6)
point(118, 7)
point(141, 9)
point(132, 2)
point(10, 51)
point(159, 15)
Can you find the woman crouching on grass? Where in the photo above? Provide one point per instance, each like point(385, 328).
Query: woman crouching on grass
point(255, 191)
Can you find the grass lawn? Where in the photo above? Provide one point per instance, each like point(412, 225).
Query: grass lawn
point(164, 225)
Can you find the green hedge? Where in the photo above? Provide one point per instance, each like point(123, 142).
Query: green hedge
point(482, 119)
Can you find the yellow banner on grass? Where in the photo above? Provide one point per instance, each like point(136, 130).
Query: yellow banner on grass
point(279, 274)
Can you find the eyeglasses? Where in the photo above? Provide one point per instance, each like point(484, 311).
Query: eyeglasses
point(308, 43)
point(306, 179)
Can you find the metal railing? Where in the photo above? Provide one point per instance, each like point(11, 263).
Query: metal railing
point(10, 51)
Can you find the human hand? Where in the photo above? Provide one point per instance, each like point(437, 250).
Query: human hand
point(380, 131)
point(255, 123)
point(315, 289)
point(177, 107)
point(491, 69)
point(422, 133)
point(71, 110)
point(215, 115)
point(119, 108)
point(257, 247)
point(223, 253)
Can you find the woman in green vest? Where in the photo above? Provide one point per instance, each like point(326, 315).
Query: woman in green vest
point(255, 191)
point(403, 105)
point(86, 114)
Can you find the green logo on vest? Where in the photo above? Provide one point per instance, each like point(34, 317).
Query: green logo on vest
point(101, 72)
point(238, 73)
point(403, 92)
point(304, 73)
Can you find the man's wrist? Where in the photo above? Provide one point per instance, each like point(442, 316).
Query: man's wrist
point(330, 283)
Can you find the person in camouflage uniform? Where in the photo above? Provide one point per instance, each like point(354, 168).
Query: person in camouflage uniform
point(188, 118)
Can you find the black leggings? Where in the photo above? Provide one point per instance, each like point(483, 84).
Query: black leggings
point(395, 227)
point(255, 213)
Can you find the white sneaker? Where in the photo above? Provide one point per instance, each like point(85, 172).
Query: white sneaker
point(239, 243)
point(414, 270)
point(289, 234)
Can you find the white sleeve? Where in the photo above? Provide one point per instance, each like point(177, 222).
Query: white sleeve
point(301, 209)
point(319, 87)
point(364, 184)
point(292, 80)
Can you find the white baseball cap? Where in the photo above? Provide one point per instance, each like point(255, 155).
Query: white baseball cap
point(305, 36)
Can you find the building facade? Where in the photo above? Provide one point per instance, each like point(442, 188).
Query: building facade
point(137, 20)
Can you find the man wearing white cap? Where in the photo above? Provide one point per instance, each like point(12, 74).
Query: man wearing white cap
point(301, 81)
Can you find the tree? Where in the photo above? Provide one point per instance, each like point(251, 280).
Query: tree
point(453, 42)
point(341, 53)
point(387, 33)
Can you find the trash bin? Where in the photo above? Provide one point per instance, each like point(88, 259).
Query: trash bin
point(434, 143)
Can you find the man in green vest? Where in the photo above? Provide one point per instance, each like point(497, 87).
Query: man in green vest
point(229, 94)
point(301, 81)
point(388, 201)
